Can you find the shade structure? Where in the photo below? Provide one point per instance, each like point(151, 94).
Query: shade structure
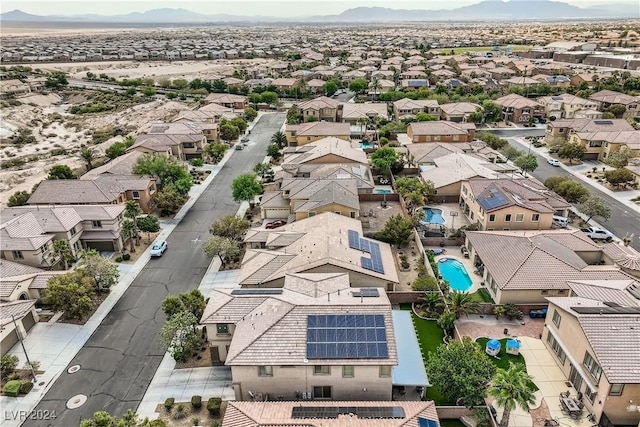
point(493, 347)
point(513, 347)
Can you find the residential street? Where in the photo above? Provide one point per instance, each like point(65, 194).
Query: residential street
point(623, 219)
point(121, 357)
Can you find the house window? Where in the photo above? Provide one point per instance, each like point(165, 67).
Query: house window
point(592, 366)
point(616, 389)
point(347, 372)
point(591, 395)
point(17, 255)
point(222, 328)
point(595, 143)
point(322, 392)
point(385, 371)
point(464, 190)
point(561, 130)
point(96, 224)
point(265, 371)
point(471, 216)
point(188, 144)
point(492, 218)
point(152, 189)
point(557, 350)
point(544, 292)
point(519, 217)
point(73, 231)
point(535, 217)
point(556, 318)
point(135, 195)
point(507, 218)
point(322, 370)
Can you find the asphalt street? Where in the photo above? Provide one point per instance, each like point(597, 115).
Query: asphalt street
point(623, 219)
point(120, 358)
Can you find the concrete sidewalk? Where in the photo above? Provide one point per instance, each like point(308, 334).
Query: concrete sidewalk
point(55, 345)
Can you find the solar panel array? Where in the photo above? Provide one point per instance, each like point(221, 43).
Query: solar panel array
point(255, 291)
point(426, 422)
point(494, 200)
point(346, 336)
point(374, 263)
point(366, 292)
point(363, 412)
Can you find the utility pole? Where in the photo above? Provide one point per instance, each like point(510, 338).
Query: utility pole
point(19, 335)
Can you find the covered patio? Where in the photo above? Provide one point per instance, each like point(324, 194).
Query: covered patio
point(409, 377)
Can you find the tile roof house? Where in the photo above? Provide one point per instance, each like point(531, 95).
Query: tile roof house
point(27, 232)
point(408, 108)
point(307, 197)
point(323, 151)
point(506, 204)
point(22, 282)
point(567, 106)
point(518, 109)
point(352, 112)
point(322, 108)
point(271, 339)
point(608, 98)
point(336, 171)
point(333, 414)
point(25, 315)
point(458, 111)
point(182, 140)
point(306, 133)
point(561, 130)
point(594, 340)
point(441, 131)
point(237, 102)
point(318, 244)
point(525, 267)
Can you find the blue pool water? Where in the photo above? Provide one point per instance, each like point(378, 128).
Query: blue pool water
point(433, 216)
point(365, 145)
point(454, 272)
point(382, 191)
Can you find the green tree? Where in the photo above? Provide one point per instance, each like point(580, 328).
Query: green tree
point(103, 271)
point(56, 80)
point(383, 158)
point(215, 151)
point(617, 110)
point(526, 162)
point(269, 97)
point(8, 364)
point(229, 132)
point(398, 230)
point(462, 303)
point(424, 117)
point(62, 250)
point(172, 305)
point(570, 190)
point(492, 111)
point(619, 176)
point(280, 139)
point(61, 172)
point(88, 155)
point(510, 152)
point(224, 248)
point(129, 232)
point(230, 226)
point(240, 123)
point(358, 85)
point(19, 198)
point(245, 187)
point(273, 151)
point(432, 299)
point(571, 151)
point(132, 210)
point(425, 283)
point(219, 86)
point(168, 200)
point(462, 371)
point(179, 335)
point(263, 170)
point(511, 387)
point(447, 322)
point(250, 114)
point(620, 157)
point(167, 170)
point(193, 302)
point(492, 141)
point(408, 185)
point(255, 98)
point(119, 148)
point(148, 91)
point(330, 88)
point(149, 224)
point(594, 206)
point(71, 293)
point(180, 84)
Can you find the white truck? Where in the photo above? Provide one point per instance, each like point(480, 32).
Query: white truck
point(596, 233)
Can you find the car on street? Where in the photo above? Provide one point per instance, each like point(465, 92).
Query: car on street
point(554, 162)
point(275, 224)
point(158, 248)
point(245, 139)
point(239, 147)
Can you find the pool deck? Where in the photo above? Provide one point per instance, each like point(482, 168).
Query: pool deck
point(450, 222)
point(454, 253)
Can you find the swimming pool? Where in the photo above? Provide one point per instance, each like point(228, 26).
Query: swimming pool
point(454, 272)
point(365, 145)
point(382, 191)
point(433, 216)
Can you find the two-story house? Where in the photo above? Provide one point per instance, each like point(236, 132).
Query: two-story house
point(229, 100)
point(354, 113)
point(312, 338)
point(518, 109)
point(594, 340)
point(506, 204)
point(182, 140)
point(322, 109)
point(559, 131)
point(324, 151)
point(608, 98)
point(441, 131)
point(567, 106)
point(407, 108)
point(306, 133)
point(459, 111)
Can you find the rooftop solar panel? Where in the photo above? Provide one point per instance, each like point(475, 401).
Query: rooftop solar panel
point(366, 292)
point(354, 239)
point(426, 422)
point(493, 200)
point(346, 336)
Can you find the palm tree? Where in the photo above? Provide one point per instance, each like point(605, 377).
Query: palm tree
point(88, 155)
point(512, 387)
point(432, 301)
point(132, 210)
point(129, 232)
point(499, 310)
point(462, 303)
point(280, 139)
point(362, 121)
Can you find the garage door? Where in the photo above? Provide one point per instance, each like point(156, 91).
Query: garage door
point(101, 246)
point(28, 322)
point(8, 342)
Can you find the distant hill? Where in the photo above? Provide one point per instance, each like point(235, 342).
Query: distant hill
point(487, 10)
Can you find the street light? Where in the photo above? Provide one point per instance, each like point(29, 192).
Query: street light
point(453, 214)
point(306, 378)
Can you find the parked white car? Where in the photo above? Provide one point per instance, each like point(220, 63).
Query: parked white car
point(554, 162)
point(158, 248)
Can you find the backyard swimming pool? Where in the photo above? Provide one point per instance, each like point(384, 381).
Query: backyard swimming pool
point(382, 191)
point(454, 272)
point(433, 216)
point(365, 145)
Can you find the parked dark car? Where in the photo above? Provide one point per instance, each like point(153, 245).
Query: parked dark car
point(275, 224)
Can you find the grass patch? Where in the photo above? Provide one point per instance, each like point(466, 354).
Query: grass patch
point(505, 358)
point(482, 295)
point(451, 423)
point(405, 306)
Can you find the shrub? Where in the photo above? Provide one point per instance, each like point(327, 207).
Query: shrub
point(118, 259)
point(425, 283)
point(215, 423)
point(180, 412)
point(213, 406)
point(195, 421)
point(197, 162)
point(512, 312)
point(168, 403)
point(8, 364)
point(126, 257)
point(12, 388)
point(26, 387)
point(196, 402)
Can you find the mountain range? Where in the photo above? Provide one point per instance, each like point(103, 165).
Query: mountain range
point(487, 10)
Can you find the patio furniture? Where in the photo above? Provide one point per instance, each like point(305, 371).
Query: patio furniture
point(571, 407)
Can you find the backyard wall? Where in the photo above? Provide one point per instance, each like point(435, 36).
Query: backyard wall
point(404, 297)
point(453, 412)
point(448, 241)
point(393, 197)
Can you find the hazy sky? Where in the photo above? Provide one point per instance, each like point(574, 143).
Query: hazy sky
point(282, 8)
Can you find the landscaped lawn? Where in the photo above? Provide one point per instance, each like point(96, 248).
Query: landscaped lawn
point(505, 358)
point(482, 295)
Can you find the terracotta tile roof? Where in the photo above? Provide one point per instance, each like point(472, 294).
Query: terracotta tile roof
point(612, 97)
point(16, 308)
point(279, 414)
point(592, 125)
point(456, 167)
point(457, 108)
point(323, 129)
point(630, 138)
point(321, 192)
point(516, 101)
point(616, 291)
point(22, 233)
point(441, 127)
point(224, 98)
point(624, 256)
point(319, 103)
point(415, 104)
point(10, 269)
point(325, 147)
point(527, 193)
point(69, 191)
point(351, 111)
